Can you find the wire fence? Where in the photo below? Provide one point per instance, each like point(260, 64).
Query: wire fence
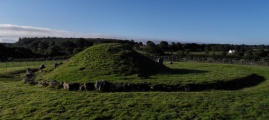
point(165, 58)
point(212, 60)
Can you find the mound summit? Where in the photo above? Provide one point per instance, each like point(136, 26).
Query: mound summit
point(108, 59)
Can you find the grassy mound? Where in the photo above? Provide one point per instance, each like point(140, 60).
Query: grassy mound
point(111, 59)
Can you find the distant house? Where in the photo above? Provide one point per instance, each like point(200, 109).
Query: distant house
point(231, 51)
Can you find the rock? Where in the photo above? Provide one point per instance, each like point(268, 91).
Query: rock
point(121, 87)
point(160, 60)
point(43, 83)
point(29, 72)
point(42, 67)
point(104, 86)
point(142, 87)
point(88, 86)
point(33, 83)
point(54, 84)
point(170, 62)
point(82, 87)
point(29, 80)
point(157, 87)
point(161, 87)
point(65, 86)
point(138, 87)
point(56, 65)
point(71, 86)
point(187, 88)
point(30, 77)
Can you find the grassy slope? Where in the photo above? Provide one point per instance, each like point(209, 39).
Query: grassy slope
point(105, 60)
point(19, 101)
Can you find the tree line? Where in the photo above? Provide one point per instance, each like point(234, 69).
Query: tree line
point(213, 50)
point(62, 48)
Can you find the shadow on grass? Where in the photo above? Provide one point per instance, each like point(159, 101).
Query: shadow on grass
point(186, 71)
point(6, 76)
point(235, 84)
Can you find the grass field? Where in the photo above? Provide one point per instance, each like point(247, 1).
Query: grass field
point(27, 63)
point(19, 101)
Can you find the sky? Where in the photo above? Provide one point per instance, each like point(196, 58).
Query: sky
point(200, 21)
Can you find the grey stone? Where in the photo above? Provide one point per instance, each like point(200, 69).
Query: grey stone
point(54, 84)
point(43, 83)
point(104, 86)
point(160, 60)
point(71, 86)
point(42, 67)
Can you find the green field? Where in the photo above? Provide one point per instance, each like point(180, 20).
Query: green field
point(20, 101)
point(27, 63)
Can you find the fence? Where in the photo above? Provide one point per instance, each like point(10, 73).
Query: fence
point(211, 60)
point(27, 63)
point(165, 58)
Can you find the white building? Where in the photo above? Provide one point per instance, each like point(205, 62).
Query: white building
point(231, 51)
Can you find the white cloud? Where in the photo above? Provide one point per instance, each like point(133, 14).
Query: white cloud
point(10, 33)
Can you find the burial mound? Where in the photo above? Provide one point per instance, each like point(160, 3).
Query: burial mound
point(110, 59)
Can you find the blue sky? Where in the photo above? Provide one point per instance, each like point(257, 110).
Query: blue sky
point(201, 21)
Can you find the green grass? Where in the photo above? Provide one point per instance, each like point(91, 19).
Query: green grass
point(27, 63)
point(19, 101)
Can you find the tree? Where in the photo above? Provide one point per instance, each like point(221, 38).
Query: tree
point(42, 45)
point(53, 51)
point(150, 44)
point(192, 46)
point(140, 44)
point(153, 49)
point(2, 52)
point(248, 54)
point(164, 45)
point(260, 53)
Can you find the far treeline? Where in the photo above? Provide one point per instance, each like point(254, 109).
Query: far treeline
point(50, 48)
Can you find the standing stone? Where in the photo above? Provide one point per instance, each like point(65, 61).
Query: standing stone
point(30, 77)
point(160, 60)
point(66, 86)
